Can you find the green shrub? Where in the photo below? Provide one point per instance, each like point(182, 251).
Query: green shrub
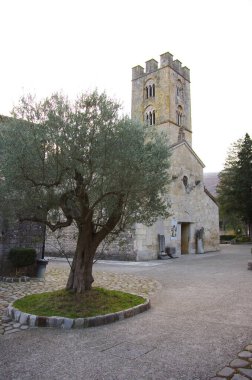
point(227, 237)
point(243, 239)
point(22, 257)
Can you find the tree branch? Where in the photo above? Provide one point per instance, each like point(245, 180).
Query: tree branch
point(38, 184)
point(104, 196)
point(53, 227)
point(111, 222)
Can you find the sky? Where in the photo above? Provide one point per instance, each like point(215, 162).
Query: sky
point(76, 46)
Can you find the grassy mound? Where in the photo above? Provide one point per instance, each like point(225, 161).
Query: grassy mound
point(64, 303)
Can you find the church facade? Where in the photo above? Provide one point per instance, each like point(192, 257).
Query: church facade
point(161, 97)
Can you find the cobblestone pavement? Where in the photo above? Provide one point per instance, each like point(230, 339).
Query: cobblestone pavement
point(56, 278)
point(240, 368)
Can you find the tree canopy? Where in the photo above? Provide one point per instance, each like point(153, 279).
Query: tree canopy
point(80, 162)
point(235, 186)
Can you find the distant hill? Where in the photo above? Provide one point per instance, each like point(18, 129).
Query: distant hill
point(211, 181)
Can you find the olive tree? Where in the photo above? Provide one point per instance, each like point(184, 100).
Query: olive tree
point(80, 162)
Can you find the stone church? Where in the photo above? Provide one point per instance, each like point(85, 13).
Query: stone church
point(161, 97)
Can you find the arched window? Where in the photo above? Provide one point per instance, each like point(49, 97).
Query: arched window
point(150, 91)
point(146, 92)
point(150, 116)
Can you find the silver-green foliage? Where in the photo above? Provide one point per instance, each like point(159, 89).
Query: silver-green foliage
point(63, 162)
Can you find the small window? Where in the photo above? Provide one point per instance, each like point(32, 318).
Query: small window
point(146, 92)
point(150, 117)
point(185, 181)
point(150, 91)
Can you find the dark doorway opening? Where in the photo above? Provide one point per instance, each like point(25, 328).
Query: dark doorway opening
point(185, 237)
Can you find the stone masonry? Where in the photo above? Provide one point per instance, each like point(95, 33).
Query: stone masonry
point(161, 98)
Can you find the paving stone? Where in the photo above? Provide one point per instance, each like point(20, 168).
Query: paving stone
point(249, 347)
point(218, 378)
point(246, 372)
point(24, 318)
point(4, 303)
point(8, 328)
point(245, 354)
point(16, 325)
point(32, 320)
point(12, 331)
point(52, 322)
point(24, 327)
point(79, 322)
point(17, 314)
point(67, 323)
point(227, 371)
point(236, 363)
point(59, 321)
point(237, 376)
point(6, 319)
point(42, 321)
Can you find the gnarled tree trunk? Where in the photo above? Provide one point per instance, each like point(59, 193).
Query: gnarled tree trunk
point(80, 277)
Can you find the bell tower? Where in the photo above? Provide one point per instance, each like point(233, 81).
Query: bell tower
point(161, 97)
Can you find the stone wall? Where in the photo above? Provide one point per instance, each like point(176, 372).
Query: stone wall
point(191, 209)
point(63, 242)
point(122, 248)
point(25, 235)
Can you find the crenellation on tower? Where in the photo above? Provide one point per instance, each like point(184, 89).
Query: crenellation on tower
point(166, 59)
point(151, 66)
point(186, 73)
point(161, 97)
point(177, 65)
point(137, 72)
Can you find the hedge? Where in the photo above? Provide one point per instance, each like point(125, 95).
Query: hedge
point(22, 257)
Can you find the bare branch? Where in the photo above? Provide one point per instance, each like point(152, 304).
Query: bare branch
point(53, 227)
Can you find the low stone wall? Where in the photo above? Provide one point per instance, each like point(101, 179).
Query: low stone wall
point(68, 323)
